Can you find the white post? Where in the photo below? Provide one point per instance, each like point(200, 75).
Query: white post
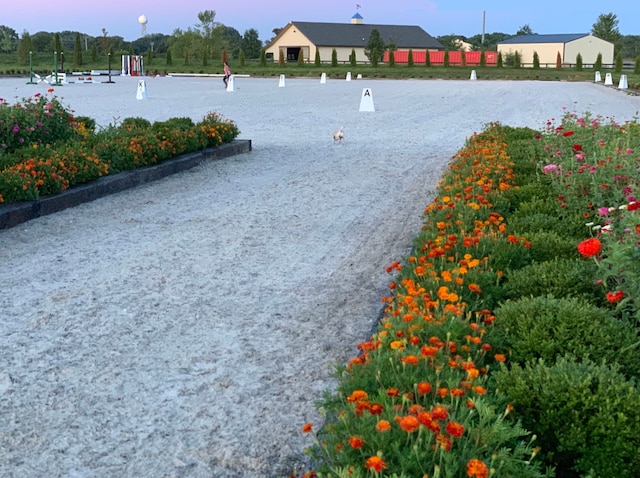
point(366, 101)
point(281, 83)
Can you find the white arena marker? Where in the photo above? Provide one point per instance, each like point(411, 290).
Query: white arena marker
point(142, 90)
point(348, 76)
point(473, 75)
point(608, 80)
point(230, 84)
point(598, 77)
point(359, 77)
point(623, 85)
point(281, 83)
point(366, 102)
point(323, 78)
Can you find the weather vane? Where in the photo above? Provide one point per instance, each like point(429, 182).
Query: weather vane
point(358, 7)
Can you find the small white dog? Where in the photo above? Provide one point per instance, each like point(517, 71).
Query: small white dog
point(338, 135)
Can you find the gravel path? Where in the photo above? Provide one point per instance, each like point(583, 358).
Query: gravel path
point(186, 328)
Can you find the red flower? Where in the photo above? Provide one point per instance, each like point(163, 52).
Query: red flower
point(567, 133)
point(616, 296)
point(375, 463)
point(577, 148)
point(307, 428)
point(590, 247)
point(355, 442)
point(477, 469)
point(633, 206)
point(409, 423)
point(454, 429)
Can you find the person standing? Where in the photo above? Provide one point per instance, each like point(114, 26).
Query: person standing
point(227, 74)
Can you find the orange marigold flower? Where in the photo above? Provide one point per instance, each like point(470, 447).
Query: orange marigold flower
point(355, 442)
point(409, 423)
point(443, 442)
point(500, 357)
point(393, 392)
point(410, 360)
point(383, 426)
point(427, 351)
point(376, 409)
point(475, 288)
point(307, 428)
point(590, 247)
point(457, 392)
point(357, 395)
point(424, 388)
point(480, 390)
point(375, 463)
point(443, 392)
point(455, 429)
point(439, 413)
point(477, 468)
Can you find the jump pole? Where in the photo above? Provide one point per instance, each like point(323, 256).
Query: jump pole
point(31, 82)
point(55, 68)
point(109, 54)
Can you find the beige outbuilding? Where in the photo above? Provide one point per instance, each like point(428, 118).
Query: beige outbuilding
point(568, 45)
point(305, 38)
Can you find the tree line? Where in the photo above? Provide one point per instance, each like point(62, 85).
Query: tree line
point(205, 41)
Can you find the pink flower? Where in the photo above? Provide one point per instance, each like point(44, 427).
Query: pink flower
point(550, 168)
point(603, 211)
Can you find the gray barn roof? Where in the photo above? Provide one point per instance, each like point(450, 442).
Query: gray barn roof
point(559, 38)
point(353, 35)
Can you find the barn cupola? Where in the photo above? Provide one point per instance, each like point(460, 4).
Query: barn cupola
point(357, 19)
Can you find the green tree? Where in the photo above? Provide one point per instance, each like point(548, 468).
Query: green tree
point(169, 60)
point(517, 60)
point(618, 67)
point(374, 58)
point(392, 52)
point(536, 60)
point(58, 46)
point(263, 58)
point(410, 57)
point(8, 39)
point(427, 59)
point(606, 28)
point(300, 58)
point(558, 61)
point(242, 58)
point(42, 42)
point(375, 44)
point(352, 57)
point(499, 61)
point(446, 58)
point(317, 58)
point(231, 40)
point(94, 53)
point(483, 59)
point(524, 30)
point(578, 62)
point(463, 57)
point(251, 44)
point(334, 58)
point(77, 51)
point(281, 61)
point(597, 66)
point(209, 35)
point(636, 66)
point(24, 47)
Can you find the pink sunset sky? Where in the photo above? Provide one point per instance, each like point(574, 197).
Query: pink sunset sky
point(463, 17)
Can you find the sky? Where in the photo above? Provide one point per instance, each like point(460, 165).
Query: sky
point(460, 17)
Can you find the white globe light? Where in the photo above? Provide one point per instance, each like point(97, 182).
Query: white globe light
point(142, 20)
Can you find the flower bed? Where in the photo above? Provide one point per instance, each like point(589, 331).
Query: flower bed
point(44, 149)
point(503, 351)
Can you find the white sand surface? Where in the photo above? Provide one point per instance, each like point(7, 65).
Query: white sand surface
point(185, 328)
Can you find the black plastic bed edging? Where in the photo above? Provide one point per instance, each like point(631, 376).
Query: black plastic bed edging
point(13, 214)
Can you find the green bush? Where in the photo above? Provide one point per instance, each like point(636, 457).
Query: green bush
point(559, 277)
point(548, 327)
point(135, 123)
point(548, 245)
point(586, 416)
point(174, 123)
point(566, 225)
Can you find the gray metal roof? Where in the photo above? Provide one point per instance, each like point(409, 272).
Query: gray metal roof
point(357, 34)
point(558, 38)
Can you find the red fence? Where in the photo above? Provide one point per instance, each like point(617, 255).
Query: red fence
point(437, 57)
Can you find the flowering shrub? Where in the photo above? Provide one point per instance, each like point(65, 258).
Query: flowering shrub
point(445, 385)
point(44, 150)
point(38, 120)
